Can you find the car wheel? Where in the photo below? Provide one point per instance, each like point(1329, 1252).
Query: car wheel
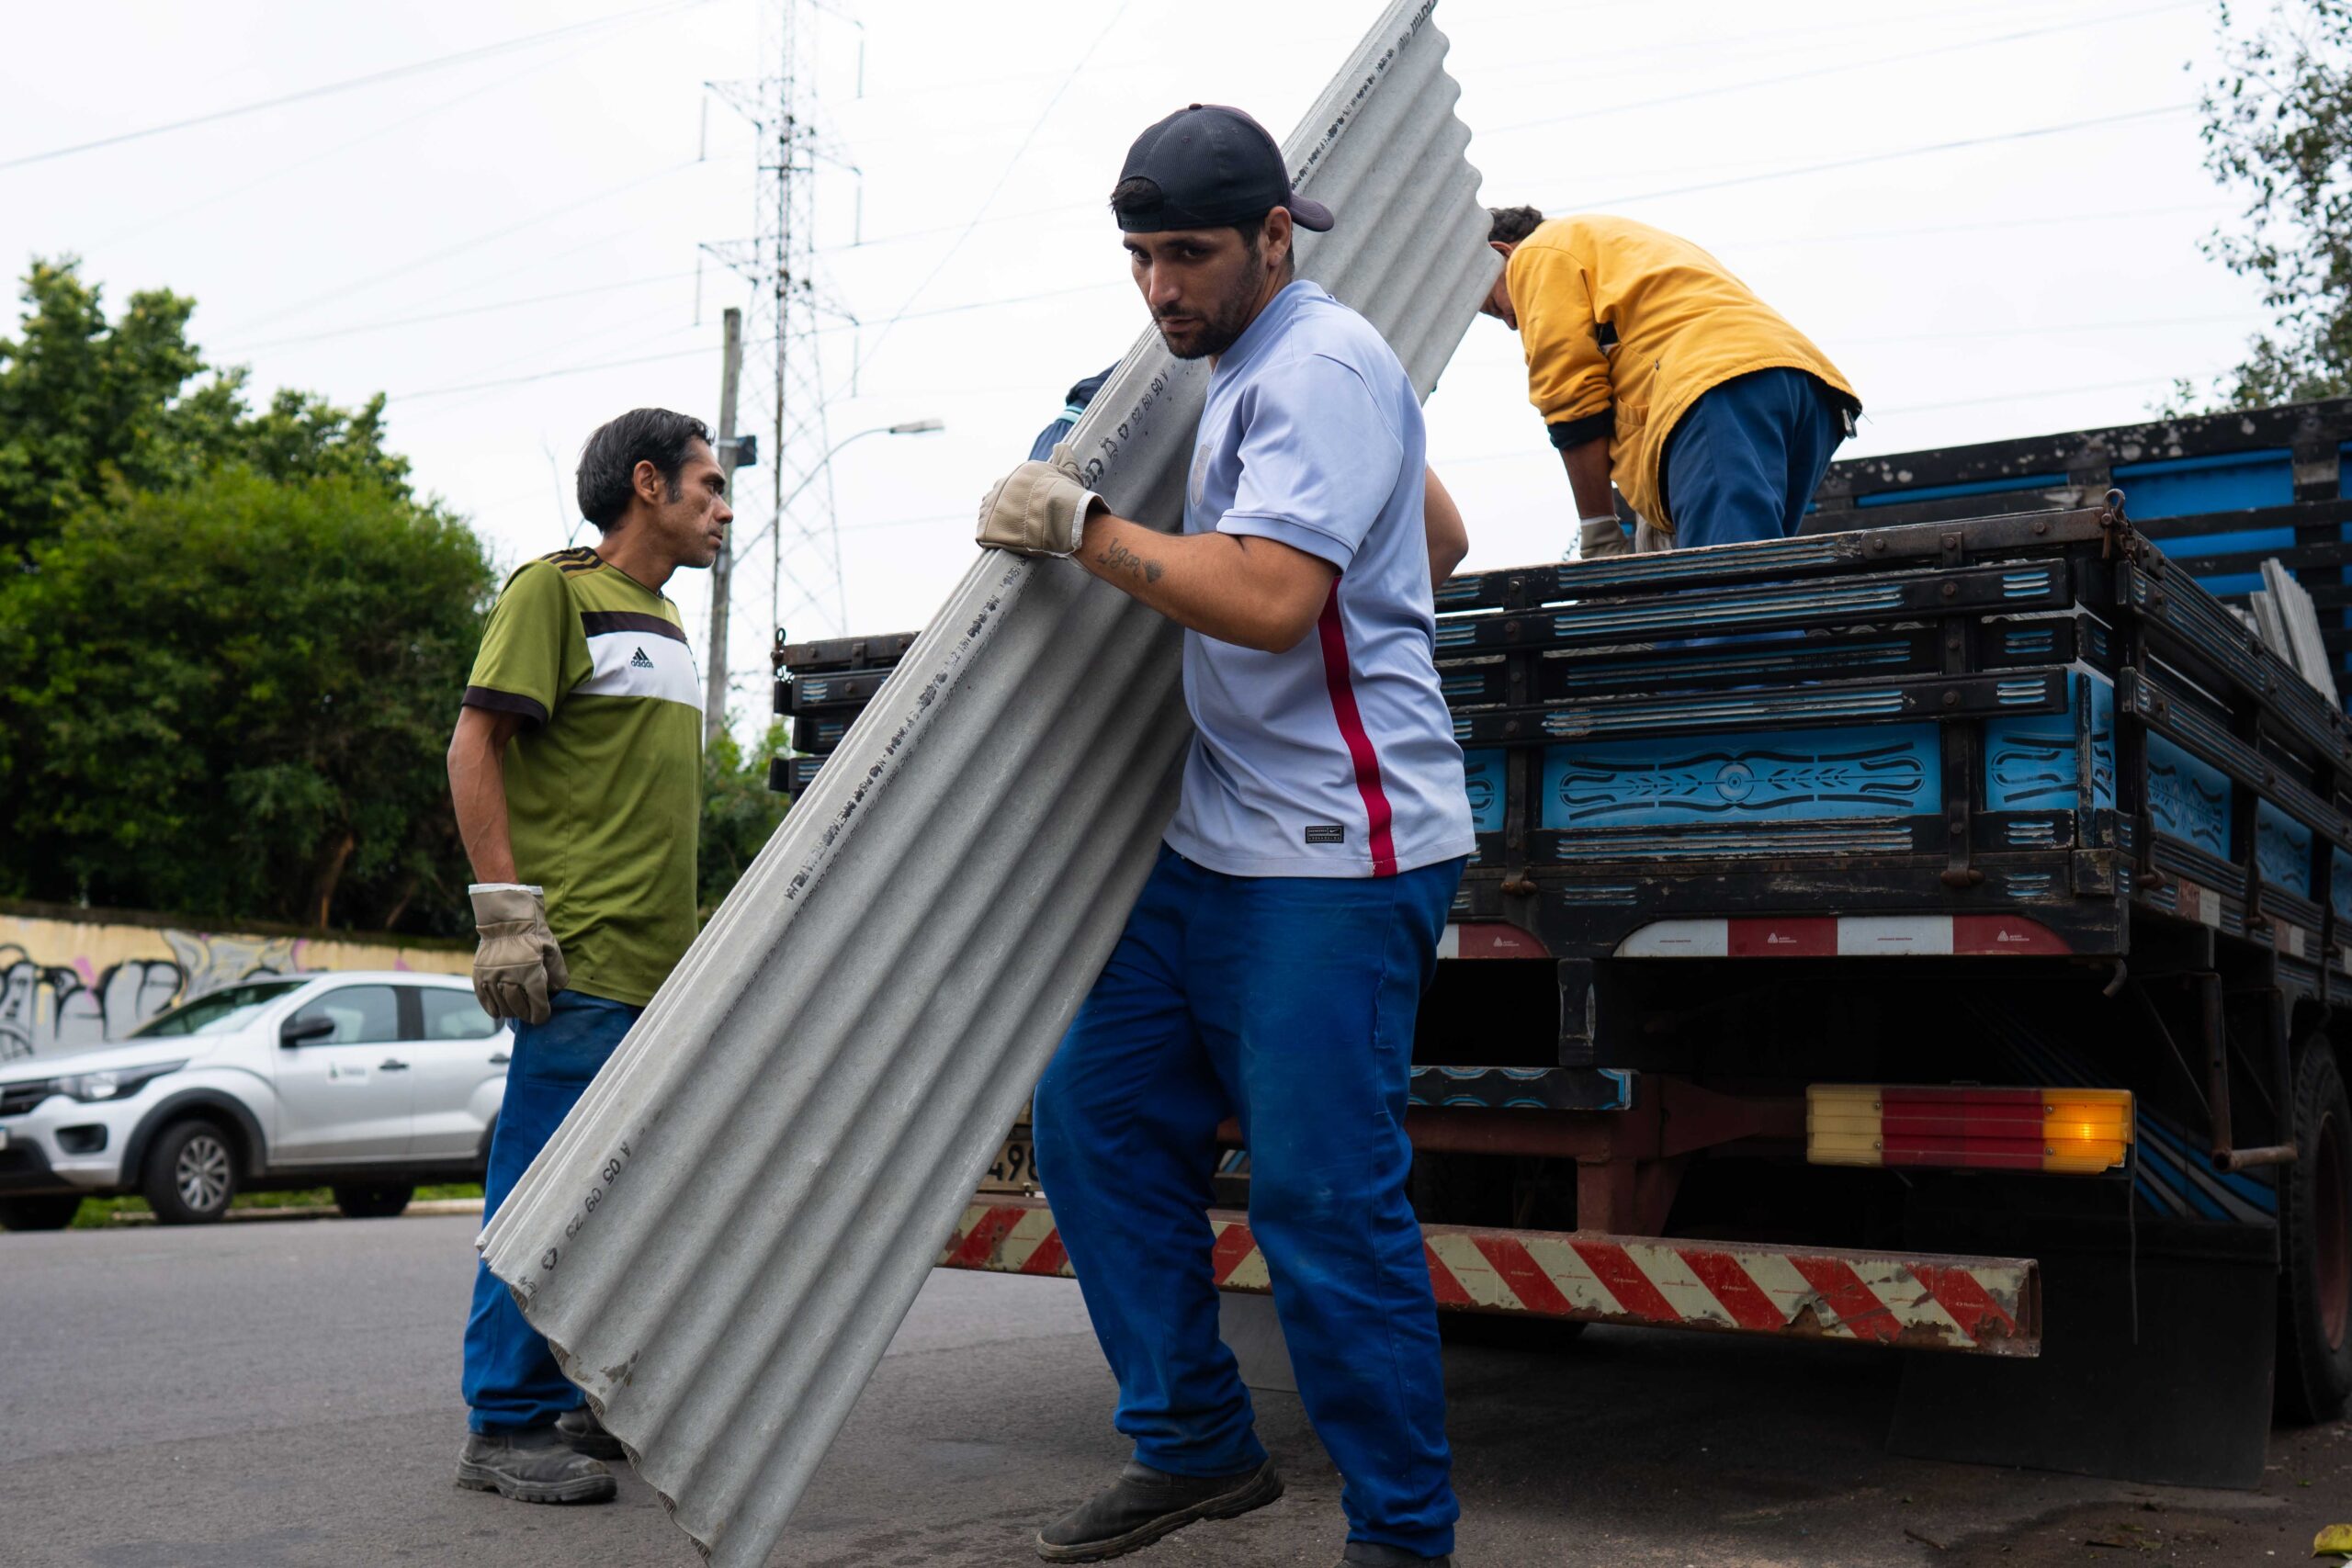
point(50, 1212)
point(191, 1174)
point(2314, 1375)
point(372, 1203)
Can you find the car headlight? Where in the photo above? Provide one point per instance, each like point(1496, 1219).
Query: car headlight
point(114, 1083)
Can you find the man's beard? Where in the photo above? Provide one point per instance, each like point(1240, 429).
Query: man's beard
point(1227, 321)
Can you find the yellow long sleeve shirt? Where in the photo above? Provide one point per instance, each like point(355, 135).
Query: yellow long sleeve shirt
point(1626, 326)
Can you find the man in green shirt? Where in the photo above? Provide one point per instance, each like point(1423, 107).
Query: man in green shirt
point(576, 770)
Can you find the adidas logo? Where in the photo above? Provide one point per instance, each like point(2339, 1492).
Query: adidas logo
point(638, 662)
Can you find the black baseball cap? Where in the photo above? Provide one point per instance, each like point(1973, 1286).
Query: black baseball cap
point(1213, 166)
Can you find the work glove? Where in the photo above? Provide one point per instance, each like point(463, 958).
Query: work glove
point(518, 966)
point(1039, 509)
point(1601, 537)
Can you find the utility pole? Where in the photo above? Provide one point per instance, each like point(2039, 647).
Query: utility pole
point(722, 571)
point(790, 303)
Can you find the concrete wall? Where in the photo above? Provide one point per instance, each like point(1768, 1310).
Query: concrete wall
point(68, 981)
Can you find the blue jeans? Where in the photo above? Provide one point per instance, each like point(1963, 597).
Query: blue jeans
point(1742, 463)
point(510, 1376)
point(1289, 1003)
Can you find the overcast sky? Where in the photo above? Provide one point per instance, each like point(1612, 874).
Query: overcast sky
point(484, 239)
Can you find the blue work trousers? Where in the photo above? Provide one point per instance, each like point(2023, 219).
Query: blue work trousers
point(1742, 463)
point(1287, 1002)
point(510, 1376)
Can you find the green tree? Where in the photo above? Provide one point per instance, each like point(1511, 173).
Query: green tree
point(739, 812)
point(233, 697)
point(87, 404)
point(2279, 130)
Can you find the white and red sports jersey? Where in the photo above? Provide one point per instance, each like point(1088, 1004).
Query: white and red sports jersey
point(1336, 758)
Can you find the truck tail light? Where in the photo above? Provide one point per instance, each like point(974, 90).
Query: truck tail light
point(2073, 1132)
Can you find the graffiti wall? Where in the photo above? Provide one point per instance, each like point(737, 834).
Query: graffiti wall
point(68, 984)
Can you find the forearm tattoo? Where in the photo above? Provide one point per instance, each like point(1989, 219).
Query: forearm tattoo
point(1116, 557)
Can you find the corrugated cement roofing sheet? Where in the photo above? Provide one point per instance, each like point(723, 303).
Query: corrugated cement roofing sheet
point(722, 1238)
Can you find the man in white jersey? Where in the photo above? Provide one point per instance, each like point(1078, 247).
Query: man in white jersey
point(1271, 967)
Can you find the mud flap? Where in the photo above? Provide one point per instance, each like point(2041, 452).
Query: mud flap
point(2185, 1403)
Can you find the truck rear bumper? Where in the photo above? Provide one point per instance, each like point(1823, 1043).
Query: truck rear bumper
point(1911, 1300)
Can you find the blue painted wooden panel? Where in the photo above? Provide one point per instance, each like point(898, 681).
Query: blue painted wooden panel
point(1483, 771)
point(2282, 848)
point(1795, 775)
point(2029, 763)
point(2186, 798)
point(1978, 487)
point(2224, 482)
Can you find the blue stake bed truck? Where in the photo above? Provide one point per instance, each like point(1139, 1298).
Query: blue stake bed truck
point(1923, 932)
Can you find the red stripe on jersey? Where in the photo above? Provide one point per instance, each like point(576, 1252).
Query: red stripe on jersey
point(1367, 762)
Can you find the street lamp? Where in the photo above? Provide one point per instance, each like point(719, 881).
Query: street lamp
point(909, 427)
point(722, 581)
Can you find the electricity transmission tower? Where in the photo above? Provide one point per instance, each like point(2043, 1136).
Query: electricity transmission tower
point(791, 530)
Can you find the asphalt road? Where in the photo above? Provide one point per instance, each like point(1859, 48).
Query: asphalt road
point(285, 1395)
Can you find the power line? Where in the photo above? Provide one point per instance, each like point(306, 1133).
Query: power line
point(463, 245)
point(1678, 47)
point(957, 310)
point(388, 323)
point(1964, 143)
point(1980, 226)
point(1834, 69)
point(556, 374)
point(1064, 208)
point(2239, 318)
point(2018, 396)
point(462, 57)
point(989, 200)
point(503, 83)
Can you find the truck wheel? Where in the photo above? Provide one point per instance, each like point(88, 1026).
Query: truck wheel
point(50, 1211)
point(191, 1174)
point(2314, 1376)
point(372, 1203)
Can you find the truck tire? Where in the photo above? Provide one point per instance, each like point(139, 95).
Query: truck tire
point(49, 1211)
point(373, 1202)
point(191, 1174)
point(2315, 1374)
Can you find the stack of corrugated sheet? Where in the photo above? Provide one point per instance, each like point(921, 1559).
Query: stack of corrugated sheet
point(2288, 623)
point(721, 1240)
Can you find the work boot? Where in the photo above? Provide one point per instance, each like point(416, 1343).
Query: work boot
point(1373, 1554)
point(586, 1434)
point(1145, 1504)
point(532, 1464)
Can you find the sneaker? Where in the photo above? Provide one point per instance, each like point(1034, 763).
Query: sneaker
point(586, 1434)
point(532, 1464)
point(1373, 1555)
point(1145, 1504)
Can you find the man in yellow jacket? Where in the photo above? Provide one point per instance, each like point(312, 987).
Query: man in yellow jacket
point(1654, 367)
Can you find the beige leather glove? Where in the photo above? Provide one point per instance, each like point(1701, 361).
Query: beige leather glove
point(517, 967)
point(1039, 509)
point(1600, 537)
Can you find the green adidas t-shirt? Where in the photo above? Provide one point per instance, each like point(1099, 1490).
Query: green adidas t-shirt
point(603, 781)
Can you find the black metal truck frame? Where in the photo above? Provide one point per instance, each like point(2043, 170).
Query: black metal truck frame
point(1920, 799)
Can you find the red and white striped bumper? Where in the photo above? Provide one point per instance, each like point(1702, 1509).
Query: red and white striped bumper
point(1915, 1301)
point(1845, 936)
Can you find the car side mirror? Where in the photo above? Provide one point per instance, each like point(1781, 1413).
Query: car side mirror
point(302, 1031)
